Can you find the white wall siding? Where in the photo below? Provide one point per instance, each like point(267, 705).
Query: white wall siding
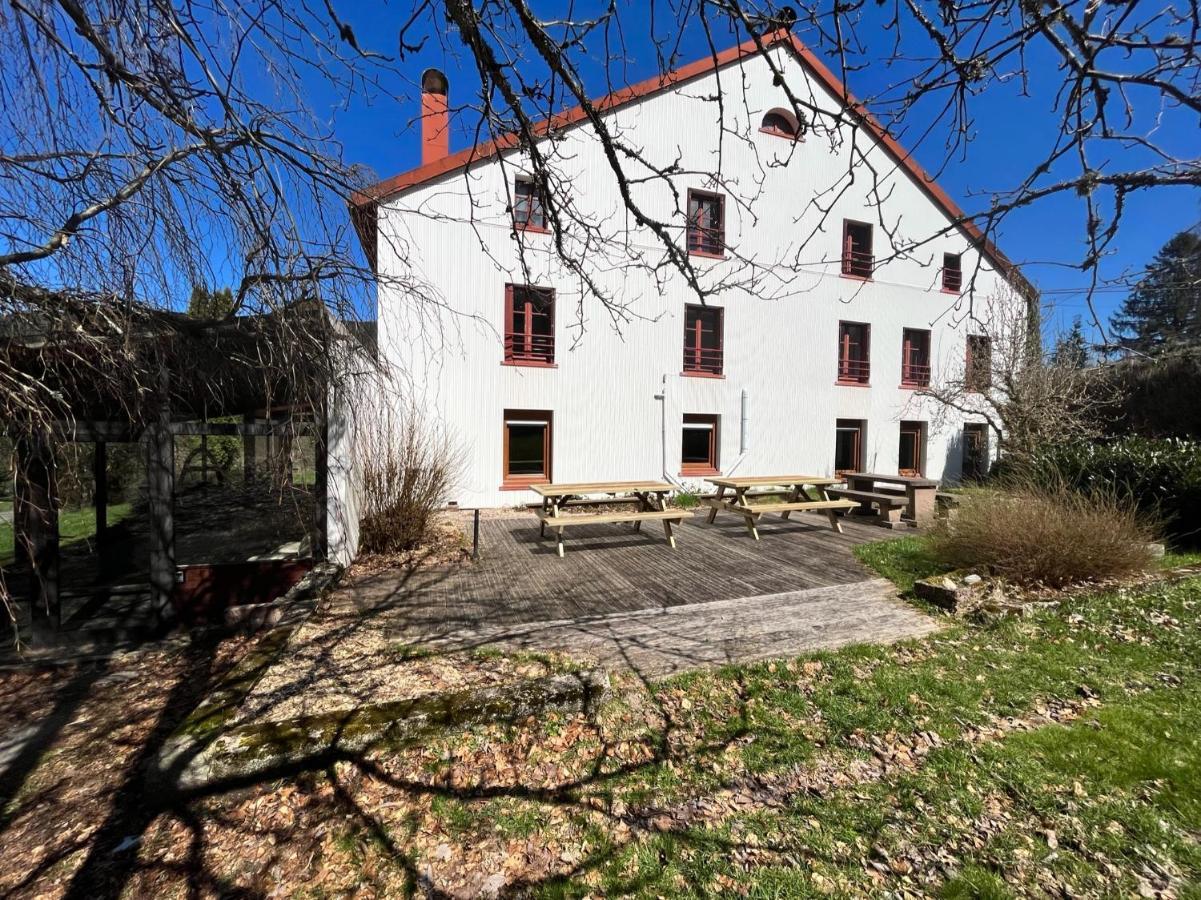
point(780, 340)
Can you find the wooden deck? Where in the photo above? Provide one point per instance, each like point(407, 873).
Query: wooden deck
point(797, 588)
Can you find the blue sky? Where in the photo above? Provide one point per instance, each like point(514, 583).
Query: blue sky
point(1011, 133)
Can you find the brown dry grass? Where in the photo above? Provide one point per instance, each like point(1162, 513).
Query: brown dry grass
point(1040, 536)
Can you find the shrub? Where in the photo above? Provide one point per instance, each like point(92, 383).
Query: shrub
point(1039, 535)
point(686, 498)
point(408, 471)
point(1162, 477)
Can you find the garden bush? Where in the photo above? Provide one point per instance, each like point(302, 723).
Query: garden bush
point(1036, 534)
point(408, 471)
point(1162, 477)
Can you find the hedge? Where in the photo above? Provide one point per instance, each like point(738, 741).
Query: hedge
point(1163, 476)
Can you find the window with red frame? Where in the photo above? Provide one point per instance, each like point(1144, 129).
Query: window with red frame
point(529, 212)
point(952, 272)
point(529, 325)
point(915, 358)
point(857, 259)
point(854, 366)
point(699, 445)
point(781, 123)
point(702, 340)
point(978, 368)
point(706, 223)
point(911, 455)
point(848, 446)
point(527, 448)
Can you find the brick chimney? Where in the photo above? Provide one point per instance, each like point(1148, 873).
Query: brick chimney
point(435, 120)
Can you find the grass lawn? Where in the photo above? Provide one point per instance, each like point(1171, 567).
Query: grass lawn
point(1055, 754)
point(73, 525)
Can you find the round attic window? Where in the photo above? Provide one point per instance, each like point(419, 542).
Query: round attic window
point(781, 123)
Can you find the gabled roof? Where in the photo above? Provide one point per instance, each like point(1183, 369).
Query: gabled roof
point(363, 202)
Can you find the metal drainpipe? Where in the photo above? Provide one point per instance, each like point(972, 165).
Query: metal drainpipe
point(744, 441)
point(662, 398)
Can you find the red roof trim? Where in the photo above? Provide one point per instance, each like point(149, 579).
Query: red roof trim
point(657, 84)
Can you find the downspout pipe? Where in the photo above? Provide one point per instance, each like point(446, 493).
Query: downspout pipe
point(662, 398)
point(744, 435)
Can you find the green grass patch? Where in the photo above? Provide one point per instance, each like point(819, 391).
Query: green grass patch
point(902, 561)
point(1175, 559)
point(1081, 808)
point(74, 525)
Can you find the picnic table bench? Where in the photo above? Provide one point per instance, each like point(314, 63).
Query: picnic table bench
point(915, 501)
point(795, 489)
point(650, 497)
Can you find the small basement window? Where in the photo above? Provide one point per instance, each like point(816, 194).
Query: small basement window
point(911, 453)
point(952, 272)
point(857, 259)
point(706, 223)
point(529, 212)
point(527, 447)
point(699, 445)
point(848, 446)
point(781, 123)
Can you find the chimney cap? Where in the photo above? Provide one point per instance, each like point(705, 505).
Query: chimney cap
point(434, 82)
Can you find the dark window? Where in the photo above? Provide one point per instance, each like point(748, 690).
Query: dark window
point(706, 223)
point(527, 446)
point(857, 256)
point(702, 340)
point(978, 368)
point(912, 451)
point(952, 274)
point(529, 325)
point(699, 445)
point(975, 451)
point(848, 446)
point(854, 366)
point(529, 212)
point(915, 358)
point(781, 123)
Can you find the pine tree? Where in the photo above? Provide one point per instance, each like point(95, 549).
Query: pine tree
point(1071, 349)
point(206, 304)
point(1164, 309)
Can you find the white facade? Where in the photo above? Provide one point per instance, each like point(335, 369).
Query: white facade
point(617, 392)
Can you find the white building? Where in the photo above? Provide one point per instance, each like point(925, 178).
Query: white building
point(794, 365)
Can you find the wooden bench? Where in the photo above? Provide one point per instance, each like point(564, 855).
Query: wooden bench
point(667, 516)
point(751, 514)
point(888, 505)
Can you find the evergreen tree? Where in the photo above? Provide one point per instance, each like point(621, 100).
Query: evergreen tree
point(1164, 309)
point(1071, 349)
point(206, 304)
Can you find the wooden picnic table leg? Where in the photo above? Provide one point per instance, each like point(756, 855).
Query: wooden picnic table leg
point(542, 528)
point(721, 491)
point(559, 540)
point(643, 506)
point(832, 515)
point(796, 491)
point(667, 531)
point(749, 518)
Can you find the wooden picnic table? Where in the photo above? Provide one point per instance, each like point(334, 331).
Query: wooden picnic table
point(797, 497)
point(919, 492)
point(649, 496)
